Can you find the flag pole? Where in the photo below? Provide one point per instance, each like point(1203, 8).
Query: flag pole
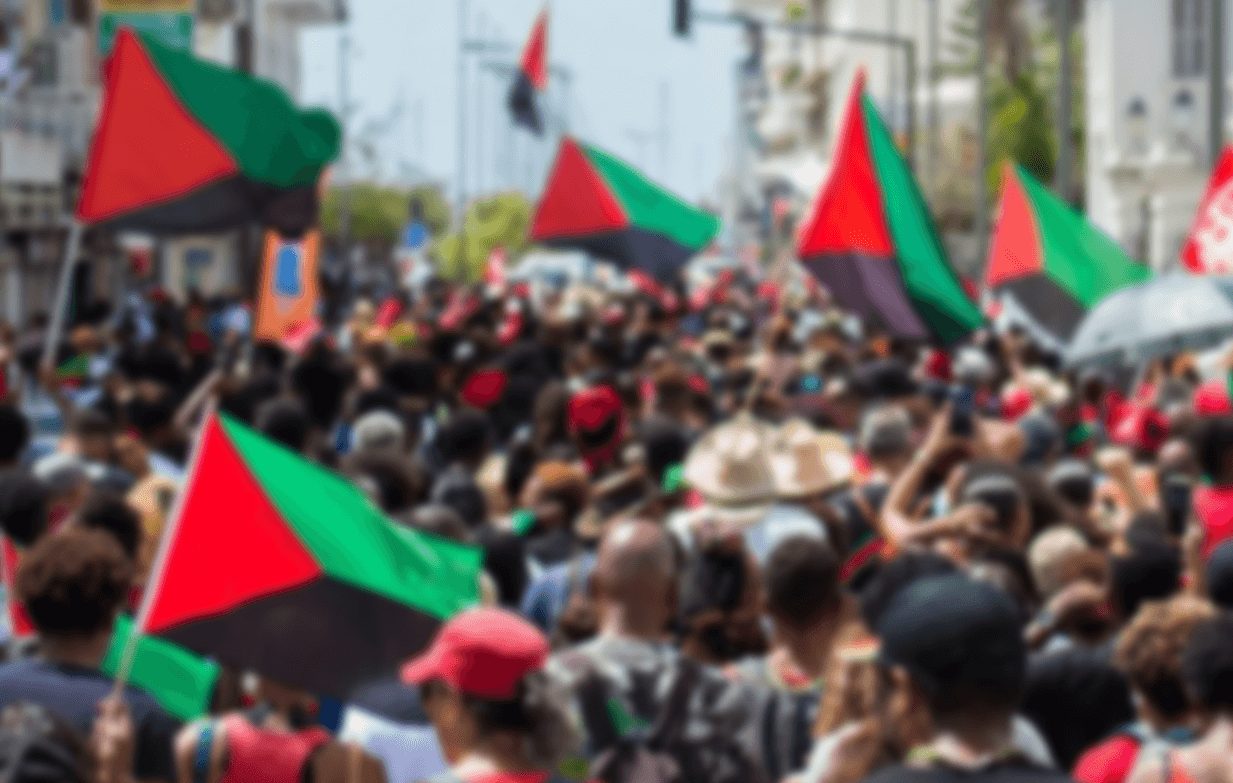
point(125, 667)
point(56, 328)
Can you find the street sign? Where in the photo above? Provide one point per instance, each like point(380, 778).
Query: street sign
point(170, 21)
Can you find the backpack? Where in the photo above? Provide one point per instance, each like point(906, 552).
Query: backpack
point(678, 748)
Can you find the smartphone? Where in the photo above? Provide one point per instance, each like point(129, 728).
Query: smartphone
point(961, 422)
point(1175, 498)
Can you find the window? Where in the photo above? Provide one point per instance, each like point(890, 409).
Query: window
point(1189, 38)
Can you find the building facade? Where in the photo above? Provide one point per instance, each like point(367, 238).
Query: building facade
point(808, 78)
point(1147, 119)
point(49, 96)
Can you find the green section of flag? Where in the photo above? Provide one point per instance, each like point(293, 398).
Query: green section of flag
point(174, 29)
point(179, 681)
point(1077, 256)
point(652, 208)
point(931, 283)
point(351, 539)
point(271, 140)
point(75, 367)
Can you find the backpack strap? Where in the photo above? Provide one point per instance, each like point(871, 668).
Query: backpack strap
point(675, 711)
point(593, 700)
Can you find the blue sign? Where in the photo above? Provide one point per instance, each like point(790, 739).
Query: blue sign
point(414, 236)
point(288, 277)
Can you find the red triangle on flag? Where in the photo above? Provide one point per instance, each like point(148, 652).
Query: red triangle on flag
point(534, 64)
point(1209, 249)
point(1015, 251)
point(228, 547)
point(576, 200)
point(848, 215)
point(147, 148)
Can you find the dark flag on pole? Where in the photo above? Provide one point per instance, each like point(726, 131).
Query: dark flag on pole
point(532, 78)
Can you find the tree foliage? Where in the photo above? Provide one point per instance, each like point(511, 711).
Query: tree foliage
point(1023, 70)
point(378, 213)
point(500, 221)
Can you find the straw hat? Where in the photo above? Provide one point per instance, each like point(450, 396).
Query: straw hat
point(730, 465)
point(807, 462)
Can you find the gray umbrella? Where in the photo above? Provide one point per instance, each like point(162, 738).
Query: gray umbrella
point(1174, 312)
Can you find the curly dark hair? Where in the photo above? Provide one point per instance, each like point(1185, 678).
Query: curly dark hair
point(108, 511)
point(538, 711)
point(802, 580)
point(1207, 665)
point(73, 582)
point(1149, 651)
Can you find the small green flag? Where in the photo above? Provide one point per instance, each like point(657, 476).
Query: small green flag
point(178, 680)
point(674, 478)
point(523, 522)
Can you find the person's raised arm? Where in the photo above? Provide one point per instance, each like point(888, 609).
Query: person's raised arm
point(898, 519)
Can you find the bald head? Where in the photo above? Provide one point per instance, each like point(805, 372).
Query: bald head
point(635, 578)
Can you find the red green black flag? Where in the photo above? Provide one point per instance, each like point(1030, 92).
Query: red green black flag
point(1055, 263)
point(184, 145)
point(277, 565)
point(870, 240)
point(532, 78)
point(596, 202)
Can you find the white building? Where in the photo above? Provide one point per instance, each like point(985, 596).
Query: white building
point(1147, 119)
point(808, 79)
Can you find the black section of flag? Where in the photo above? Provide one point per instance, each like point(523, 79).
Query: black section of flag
point(524, 105)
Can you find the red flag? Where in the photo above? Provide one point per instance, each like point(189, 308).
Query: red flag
point(495, 275)
point(1209, 250)
point(534, 63)
point(388, 312)
point(532, 78)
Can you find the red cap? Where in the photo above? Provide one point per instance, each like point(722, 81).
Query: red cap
point(591, 409)
point(1212, 400)
point(481, 652)
point(484, 388)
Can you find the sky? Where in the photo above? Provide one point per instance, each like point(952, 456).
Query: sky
point(630, 77)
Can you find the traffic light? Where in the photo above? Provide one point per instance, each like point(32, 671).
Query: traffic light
point(682, 17)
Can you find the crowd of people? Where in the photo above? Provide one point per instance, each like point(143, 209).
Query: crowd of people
point(733, 537)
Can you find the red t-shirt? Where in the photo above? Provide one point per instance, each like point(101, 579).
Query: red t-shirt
point(1214, 508)
point(510, 777)
point(1109, 762)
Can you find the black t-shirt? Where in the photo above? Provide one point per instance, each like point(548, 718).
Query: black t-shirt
point(73, 693)
point(1009, 772)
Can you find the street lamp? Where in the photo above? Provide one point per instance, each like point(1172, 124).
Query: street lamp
point(1136, 125)
point(1183, 119)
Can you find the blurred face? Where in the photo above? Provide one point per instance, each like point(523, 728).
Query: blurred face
point(131, 455)
point(96, 448)
point(456, 730)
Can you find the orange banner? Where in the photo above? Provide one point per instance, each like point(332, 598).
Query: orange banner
point(287, 299)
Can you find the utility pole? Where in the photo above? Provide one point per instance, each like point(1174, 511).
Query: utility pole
point(481, 31)
point(1217, 82)
point(981, 214)
point(1062, 180)
point(344, 167)
point(935, 117)
point(462, 110)
point(247, 264)
point(665, 129)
